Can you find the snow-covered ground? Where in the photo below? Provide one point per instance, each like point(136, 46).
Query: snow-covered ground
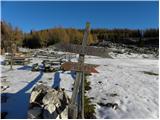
point(21, 80)
point(136, 92)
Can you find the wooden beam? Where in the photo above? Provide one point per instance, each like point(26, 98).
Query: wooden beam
point(87, 68)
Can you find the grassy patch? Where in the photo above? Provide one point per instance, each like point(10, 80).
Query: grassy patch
point(112, 105)
point(87, 85)
point(89, 108)
point(112, 94)
point(49, 78)
point(149, 73)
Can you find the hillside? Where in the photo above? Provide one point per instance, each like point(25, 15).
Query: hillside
point(47, 37)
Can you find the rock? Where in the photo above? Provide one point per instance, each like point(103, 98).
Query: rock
point(52, 103)
point(34, 95)
point(38, 92)
point(35, 67)
point(92, 98)
point(50, 112)
point(64, 114)
point(129, 53)
point(113, 94)
point(34, 113)
point(50, 98)
point(100, 82)
point(51, 108)
point(40, 81)
point(115, 106)
point(108, 105)
point(3, 88)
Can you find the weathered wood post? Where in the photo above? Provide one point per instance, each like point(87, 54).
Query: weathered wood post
point(73, 109)
point(12, 47)
point(81, 89)
point(11, 59)
point(81, 68)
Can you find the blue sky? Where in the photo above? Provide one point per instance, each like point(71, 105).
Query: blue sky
point(104, 14)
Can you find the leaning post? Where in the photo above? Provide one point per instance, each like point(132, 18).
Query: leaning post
point(73, 108)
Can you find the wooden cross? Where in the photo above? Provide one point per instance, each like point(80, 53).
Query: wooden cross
point(81, 69)
point(73, 109)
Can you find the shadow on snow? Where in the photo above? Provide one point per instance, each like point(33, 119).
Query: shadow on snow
point(25, 67)
point(17, 103)
point(72, 73)
point(56, 79)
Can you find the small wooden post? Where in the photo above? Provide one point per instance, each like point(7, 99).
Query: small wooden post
point(11, 60)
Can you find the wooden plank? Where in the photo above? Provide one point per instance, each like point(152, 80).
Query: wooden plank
point(16, 58)
point(73, 63)
point(88, 68)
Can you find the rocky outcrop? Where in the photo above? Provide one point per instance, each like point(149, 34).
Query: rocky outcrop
point(48, 103)
point(128, 49)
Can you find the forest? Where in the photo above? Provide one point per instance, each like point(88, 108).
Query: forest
point(43, 38)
